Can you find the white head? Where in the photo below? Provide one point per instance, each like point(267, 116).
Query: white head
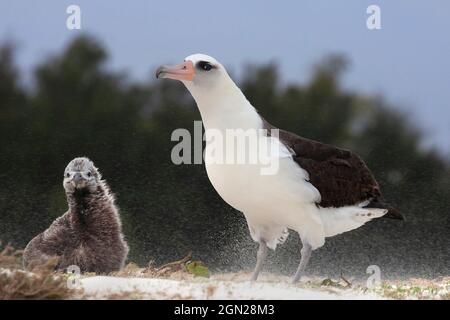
point(201, 74)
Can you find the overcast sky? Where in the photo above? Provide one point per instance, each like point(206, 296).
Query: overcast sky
point(407, 61)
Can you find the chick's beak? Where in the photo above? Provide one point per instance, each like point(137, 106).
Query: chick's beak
point(78, 180)
point(183, 71)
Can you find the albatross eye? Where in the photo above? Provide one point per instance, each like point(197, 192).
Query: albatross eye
point(89, 174)
point(206, 66)
point(68, 175)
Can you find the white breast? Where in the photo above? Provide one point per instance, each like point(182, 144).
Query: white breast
point(270, 202)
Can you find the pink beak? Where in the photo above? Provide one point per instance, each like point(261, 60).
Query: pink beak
point(183, 71)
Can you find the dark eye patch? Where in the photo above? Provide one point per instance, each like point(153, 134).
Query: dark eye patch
point(205, 66)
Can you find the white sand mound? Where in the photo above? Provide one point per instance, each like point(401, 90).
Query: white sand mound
point(148, 288)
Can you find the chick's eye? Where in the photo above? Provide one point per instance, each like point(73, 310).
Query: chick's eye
point(89, 174)
point(68, 175)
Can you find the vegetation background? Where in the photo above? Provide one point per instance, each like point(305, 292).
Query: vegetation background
point(77, 107)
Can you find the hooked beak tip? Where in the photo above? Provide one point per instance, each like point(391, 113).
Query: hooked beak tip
point(159, 72)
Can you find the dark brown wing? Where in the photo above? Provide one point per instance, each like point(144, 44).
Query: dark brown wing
point(50, 243)
point(341, 176)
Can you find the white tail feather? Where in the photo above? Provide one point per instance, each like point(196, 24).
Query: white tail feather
point(339, 220)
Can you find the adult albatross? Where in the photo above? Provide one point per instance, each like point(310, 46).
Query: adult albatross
point(318, 190)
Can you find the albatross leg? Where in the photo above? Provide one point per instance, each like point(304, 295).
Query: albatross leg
point(306, 254)
point(260, 257)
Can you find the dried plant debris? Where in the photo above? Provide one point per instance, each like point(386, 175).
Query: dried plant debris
point(42, 282)
point(181, 269)
point(347, 282)
point(9, 257)
point(330, 283)
point(130, 270)
point(171, 267)
point(421, 289)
